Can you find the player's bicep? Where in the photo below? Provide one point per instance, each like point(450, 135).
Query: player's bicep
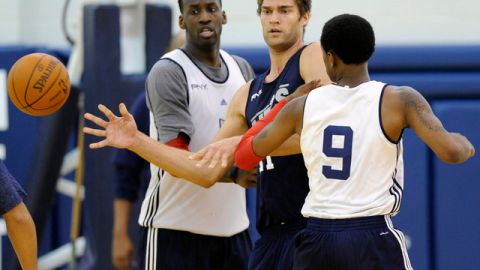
point(312, 66)
point(420, 117)
point(286, 124)
point(167, 98)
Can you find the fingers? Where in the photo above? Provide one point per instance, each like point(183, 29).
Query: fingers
point(198, 155)
point(214, 160)
point(95, 132)
point(225, 158)
point(109, 114)
point(98, 145)
point(123, 111)
point(206, 156)
point(97, 120)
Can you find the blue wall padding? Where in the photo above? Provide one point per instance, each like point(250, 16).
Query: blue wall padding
point(456, 192)
point(104, 83)
point(438, 210)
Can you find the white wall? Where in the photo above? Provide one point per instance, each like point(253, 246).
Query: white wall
point(395, 21)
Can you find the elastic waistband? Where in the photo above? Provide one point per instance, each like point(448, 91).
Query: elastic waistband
point(335, 225)
point(285, 227)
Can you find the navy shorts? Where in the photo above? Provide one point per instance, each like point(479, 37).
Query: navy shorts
point(365, 243)
point(11, 193)
point(179, 250)
point(276, 247)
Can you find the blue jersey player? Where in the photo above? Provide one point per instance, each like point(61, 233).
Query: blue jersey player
point(351, 140)
point(282, 182)
point(20, 226)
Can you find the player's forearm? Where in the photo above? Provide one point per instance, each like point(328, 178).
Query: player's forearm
point(22, 234)
point(465, 149)
point(175, 161)
point(121, 209)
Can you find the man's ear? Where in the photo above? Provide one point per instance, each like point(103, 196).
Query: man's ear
point(224, 15)
point(181, 22)
point(331, 58)
point(306, 18)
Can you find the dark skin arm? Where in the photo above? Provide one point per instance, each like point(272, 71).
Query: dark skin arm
point(404, 107)
point(288, 122)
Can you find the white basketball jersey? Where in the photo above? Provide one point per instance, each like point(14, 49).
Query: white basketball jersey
point(177, 204)
point(354, 170)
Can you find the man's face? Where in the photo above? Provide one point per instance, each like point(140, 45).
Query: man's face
point(282, 23)
point(202, 20)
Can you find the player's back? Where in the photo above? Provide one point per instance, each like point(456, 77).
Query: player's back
point(354, 169)
point(282, 182)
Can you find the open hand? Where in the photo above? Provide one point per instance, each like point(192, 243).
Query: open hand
point(118, 131)
point(221, 151)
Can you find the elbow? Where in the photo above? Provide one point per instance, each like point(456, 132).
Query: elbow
point(209, 180)
point(453, 155)
point(18, 218)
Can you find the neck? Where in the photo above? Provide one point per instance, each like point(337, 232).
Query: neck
point(279, 58)
point(209, 56)
point(353, 75)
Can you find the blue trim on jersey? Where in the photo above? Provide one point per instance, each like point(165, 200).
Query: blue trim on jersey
point(201, 70)
point(380, 118)
point(396, 190)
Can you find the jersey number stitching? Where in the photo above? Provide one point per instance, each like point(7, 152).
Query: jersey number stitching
point(345, 152)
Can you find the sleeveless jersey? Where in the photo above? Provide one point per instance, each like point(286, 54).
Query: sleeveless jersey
point(354, 169)
point(282, 182)
point(173, 203)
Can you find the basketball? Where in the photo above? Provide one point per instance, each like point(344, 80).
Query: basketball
point(38, 84)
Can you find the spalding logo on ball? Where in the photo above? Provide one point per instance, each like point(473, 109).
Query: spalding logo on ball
point(38, 84)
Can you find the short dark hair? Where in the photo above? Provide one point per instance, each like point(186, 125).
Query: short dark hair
point(304, 6)
point(350, 37)
point(180, 5)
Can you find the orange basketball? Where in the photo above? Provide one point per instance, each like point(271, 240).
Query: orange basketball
point(38, 84)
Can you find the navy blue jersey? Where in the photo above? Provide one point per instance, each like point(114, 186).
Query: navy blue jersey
point(282, 182)
point(11, 193)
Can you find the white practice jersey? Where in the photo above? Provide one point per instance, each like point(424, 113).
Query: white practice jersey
point(174, 203)
point(354, 170)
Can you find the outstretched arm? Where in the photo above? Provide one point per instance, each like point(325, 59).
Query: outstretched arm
point(121, 132)
point(418, 115)
point(22, 234)
point(271, 135)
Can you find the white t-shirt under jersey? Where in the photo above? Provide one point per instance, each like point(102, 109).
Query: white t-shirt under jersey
point(354, 169)
point(173, 203)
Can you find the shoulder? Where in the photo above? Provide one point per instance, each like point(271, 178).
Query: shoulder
point(245, 67)
point(312, 52)
point(402, 95)
point(166, 70)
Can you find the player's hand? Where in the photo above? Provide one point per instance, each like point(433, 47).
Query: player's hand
point(218, 152)
point(304, 89)
point(247, 179)
point(122, 252)
point(118, 131)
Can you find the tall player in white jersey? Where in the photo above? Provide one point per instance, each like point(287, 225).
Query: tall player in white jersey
point(188, 91)
point(351, 139)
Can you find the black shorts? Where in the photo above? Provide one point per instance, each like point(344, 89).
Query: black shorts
point(179, 250)
point(365, 243)
point(276, 247)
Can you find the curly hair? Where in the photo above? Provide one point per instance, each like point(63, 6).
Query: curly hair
point(350, 37)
